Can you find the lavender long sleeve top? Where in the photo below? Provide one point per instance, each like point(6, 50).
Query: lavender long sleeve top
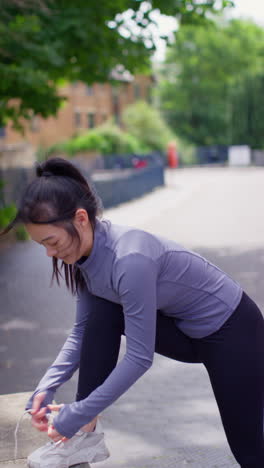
point(144, 273)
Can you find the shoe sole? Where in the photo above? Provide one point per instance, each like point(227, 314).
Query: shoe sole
point(81, 465)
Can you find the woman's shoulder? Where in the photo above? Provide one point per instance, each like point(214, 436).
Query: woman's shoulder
point(125, 241)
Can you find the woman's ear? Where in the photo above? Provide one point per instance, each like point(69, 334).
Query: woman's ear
point(81, 217)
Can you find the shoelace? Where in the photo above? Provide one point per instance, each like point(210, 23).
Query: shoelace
point(16, 431)
point(50, 418)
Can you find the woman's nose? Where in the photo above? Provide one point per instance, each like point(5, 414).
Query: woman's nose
point(51, 252)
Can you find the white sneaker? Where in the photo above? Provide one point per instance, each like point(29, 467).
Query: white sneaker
point(83, 447)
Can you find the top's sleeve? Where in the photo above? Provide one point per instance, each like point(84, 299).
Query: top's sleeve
point(135, 282)
point(67, 361)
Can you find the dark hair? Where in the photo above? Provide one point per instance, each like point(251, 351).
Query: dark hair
point(53, 198)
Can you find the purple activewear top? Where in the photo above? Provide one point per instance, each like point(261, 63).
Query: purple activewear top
point(144, 273)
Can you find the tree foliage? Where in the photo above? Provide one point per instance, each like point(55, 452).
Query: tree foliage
point(213, 86)
point(146, 124)
point(45, 41)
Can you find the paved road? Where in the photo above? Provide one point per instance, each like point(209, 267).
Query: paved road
point(170, 414)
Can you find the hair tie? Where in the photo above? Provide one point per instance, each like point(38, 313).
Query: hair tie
point(46, 174)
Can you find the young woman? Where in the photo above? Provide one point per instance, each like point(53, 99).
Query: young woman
point(162, 297)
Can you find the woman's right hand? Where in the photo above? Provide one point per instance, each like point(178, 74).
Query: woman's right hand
point(39, 419)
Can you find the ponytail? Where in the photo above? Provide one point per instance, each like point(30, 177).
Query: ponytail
point(61, 168)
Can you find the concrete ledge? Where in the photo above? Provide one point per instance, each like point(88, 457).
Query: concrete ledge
point(11, 409)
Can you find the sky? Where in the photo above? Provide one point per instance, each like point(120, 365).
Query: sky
point(250, 9)
point(253, 9)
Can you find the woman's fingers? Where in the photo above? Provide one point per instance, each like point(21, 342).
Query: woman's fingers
point(40, 414)
point(40, 424)
point(55, 407)
point(39, 419)
point(38, 399)
point(42, 427)
point(55, 435)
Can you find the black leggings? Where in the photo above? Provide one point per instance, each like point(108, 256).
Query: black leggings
point(233, 357)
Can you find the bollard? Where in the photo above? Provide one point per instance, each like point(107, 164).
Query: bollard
point(81, 465)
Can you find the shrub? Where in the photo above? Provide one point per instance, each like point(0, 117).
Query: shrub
point(187, 152)
point(7, 214)
point(106, 139)
point(146, 124)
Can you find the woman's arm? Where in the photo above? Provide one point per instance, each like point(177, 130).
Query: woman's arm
point(67, 361)
point(135, 281)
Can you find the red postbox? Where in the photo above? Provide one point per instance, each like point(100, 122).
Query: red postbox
point(173, 160)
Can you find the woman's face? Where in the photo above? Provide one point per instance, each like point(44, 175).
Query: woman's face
point(59, 243)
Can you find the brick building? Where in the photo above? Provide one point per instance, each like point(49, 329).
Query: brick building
point(86, 107)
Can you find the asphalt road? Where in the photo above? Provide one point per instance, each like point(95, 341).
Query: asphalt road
point(217, 212)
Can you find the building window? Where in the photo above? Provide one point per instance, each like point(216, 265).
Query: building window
point(90, 120)
point(137, 93)
point(104, 117)
point(77, 119)
point(89, 90)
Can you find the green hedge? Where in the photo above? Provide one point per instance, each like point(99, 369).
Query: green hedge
point(106, 139)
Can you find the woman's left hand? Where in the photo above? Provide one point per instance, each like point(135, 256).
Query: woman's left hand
point(55, 435)
point(52, 433)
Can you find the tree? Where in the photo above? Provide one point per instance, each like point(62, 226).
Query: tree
point(145, 123)
point(247, 112)
point(45, 41)
point(212, 91)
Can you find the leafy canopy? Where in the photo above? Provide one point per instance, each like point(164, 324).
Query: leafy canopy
point(213, 84)
point(45, 41)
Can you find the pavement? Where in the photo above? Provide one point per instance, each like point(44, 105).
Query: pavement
point(143, 431)
point(169, 418)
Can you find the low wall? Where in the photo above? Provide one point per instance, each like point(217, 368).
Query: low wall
point(119, 186)
point(258, 157)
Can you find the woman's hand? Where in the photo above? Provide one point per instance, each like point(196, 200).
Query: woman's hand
point(39, 419)
point(52, 433)
point(55, 435)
